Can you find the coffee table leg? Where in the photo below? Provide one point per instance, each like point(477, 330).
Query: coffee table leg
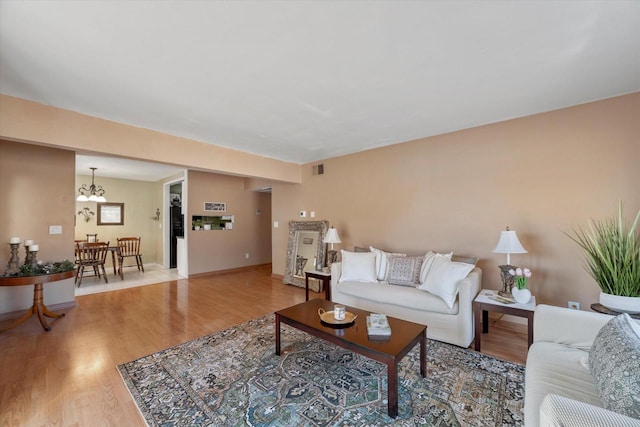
point(392, 389)
point(278, 334)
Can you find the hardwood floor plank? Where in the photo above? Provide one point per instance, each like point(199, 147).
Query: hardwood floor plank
point(68, 376)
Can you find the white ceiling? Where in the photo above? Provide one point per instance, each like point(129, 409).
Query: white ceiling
point(307, 80)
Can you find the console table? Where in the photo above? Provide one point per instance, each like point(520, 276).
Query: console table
point(38, 300)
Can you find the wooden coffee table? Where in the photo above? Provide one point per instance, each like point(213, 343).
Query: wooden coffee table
point(404, 336)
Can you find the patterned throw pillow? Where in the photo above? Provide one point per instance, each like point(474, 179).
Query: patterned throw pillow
point(382, 262)
point(614, 360)
point(404, 270)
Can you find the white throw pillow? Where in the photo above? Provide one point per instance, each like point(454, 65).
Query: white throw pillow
point(382, 262)
point(358, 267)
point(443, 277)
point(428, 262)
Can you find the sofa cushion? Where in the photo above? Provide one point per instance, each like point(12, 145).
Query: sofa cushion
point(556, 368)
point(443, 277)
point(403, 296)
point(382, 262)
point(358, 266)
point(469, 260)
point(404, 270)
point(614, 360)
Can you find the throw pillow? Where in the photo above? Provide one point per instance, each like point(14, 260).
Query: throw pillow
point(443, 277)
point(358, 267)
point(428, 262)
point(404, 270)
point(382, 262)
point(360, 249)
point(614, 360)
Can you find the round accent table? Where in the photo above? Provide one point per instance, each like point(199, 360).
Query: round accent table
point(602, 309)
point(38, 300)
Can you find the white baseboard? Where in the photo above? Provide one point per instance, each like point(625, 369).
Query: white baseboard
point(53, 307)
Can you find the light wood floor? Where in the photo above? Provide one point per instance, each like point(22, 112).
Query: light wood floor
point(68, 377)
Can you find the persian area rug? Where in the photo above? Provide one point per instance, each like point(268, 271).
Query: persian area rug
point(234, 378)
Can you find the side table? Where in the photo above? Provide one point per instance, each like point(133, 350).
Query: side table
point(606, 310)
point(38, 308)
point(320, 275)
point(484, 303)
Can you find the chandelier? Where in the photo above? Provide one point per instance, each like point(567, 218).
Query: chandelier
point(96, 194)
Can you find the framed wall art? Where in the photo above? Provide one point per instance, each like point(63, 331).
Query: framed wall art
point(215, 207)
point(110, 213)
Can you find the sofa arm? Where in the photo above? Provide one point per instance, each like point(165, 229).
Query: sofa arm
point(469, 288)
point(562, 411)
point(560, 325)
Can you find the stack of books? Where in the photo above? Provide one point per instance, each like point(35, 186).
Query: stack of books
point(378, 326)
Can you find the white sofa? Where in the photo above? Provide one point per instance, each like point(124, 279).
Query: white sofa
point(559, 387)
point(452, 325)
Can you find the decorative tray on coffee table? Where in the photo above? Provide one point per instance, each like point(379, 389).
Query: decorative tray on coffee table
point(327, 318)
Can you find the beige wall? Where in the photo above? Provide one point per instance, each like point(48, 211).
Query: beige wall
point(23, 120)
point(215, 250)
point(36, 190)
point(542, 175)
point(140, 203)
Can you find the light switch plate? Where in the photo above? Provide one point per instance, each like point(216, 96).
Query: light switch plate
point(55, 229)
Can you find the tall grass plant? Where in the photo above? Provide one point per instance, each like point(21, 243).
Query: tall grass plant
point(612, 249)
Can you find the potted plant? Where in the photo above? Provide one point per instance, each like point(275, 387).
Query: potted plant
point(612, 249)
point(520, 292)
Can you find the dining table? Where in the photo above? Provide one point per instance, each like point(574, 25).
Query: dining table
point(115, 260)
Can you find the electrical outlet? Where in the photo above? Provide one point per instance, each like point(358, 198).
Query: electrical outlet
point(574, 305)
point(246, 255)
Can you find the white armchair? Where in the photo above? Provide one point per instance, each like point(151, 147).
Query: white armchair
point(559, 388)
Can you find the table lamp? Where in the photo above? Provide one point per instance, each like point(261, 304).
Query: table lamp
point(331, 237)
point(508, 244)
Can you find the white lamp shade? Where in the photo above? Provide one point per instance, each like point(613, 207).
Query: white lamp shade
point(82, 198)
point(509, 243)
point(332, 236)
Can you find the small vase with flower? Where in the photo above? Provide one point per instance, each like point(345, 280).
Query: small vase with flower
point(520, 293)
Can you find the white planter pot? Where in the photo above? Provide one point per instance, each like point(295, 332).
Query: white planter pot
point(207, 226)
point(522, 296)
point(621, 304)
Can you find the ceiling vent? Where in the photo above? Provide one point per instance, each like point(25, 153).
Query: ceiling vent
point(317, 169)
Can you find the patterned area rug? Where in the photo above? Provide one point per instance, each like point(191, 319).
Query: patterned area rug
point(233, 378)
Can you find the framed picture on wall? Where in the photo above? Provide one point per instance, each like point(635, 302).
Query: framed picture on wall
point(110, 213)
point(215, 207)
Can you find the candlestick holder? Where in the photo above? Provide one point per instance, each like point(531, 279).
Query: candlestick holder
point(13, 266)
point(34, 258)
point(28, 256)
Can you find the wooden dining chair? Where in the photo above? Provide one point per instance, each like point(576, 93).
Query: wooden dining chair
point(92, 255)
point(92, 238)
point(130, 247)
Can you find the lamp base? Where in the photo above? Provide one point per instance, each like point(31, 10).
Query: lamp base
point(507, 280)
point(332, 256)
